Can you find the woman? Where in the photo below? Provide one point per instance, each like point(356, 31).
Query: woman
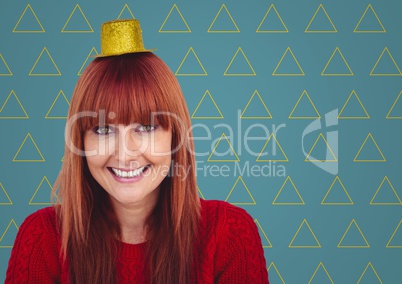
point(127, 209)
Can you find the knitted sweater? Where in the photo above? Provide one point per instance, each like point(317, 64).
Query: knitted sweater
point(230, 251)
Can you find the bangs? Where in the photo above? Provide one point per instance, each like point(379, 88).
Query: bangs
point(125, 90)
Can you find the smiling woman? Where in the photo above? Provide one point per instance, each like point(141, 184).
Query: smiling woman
point(123, 214)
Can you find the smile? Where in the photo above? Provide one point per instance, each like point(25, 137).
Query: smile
point(128, 174)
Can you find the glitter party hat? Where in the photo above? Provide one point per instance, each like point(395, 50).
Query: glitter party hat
point(121, 37)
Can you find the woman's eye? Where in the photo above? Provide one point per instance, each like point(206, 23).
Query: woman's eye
point(146, 128)
point(103, 130)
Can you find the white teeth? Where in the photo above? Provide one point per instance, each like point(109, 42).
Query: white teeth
point(128, 174)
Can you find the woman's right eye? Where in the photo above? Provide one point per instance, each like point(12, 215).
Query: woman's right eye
point(103, 130)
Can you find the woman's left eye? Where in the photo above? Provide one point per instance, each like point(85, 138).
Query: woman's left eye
point(146, 128)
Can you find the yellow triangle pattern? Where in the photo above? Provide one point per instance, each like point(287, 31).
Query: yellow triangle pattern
point(288, 51)
point(6, 65)
point(12, 94)
point(91, 54)
point(321, 8)
point(385, 50)
point(6, 195)
point(16, 30)
point(191, 50)
point(89, 30)
point(304, 223)
point(353, 94)
point(174, 8)
point(248, 193)
point(211, 30)
point(304, 95)
point(265, 237)
point(126, 8)
point(365, 270)
point(389, 115)
point(324, 71)
point(15, 159)
point(227, 73)
point(48, 116)
point(392, 237)
point(12, 222)
point(320, 265)
point(321, 136)
point(31, 73)
point(288, 179)
point(268, 116)
point(195, 116)
point(273, 266)
point(353, 222)
point(357, 30)
point(223, 137)
point(356, 159)
point(284, 30)
point(272, 136)
point(32, 202)
point(324, 202)
point(373, 202)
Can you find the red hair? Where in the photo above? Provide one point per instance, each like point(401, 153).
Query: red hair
point(133, 87)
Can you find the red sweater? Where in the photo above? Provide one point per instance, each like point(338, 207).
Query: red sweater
point(230, 252)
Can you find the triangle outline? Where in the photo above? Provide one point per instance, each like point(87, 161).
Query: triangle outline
point(362, 146)
point(378, 61)
point(6, 65)
point(280, 148)
point(369, 31)
point(92, 53)
point(361, 234)
point(392, 108)
point(5, 232)
point(231, 18)
point(63, 30)
point(6, 195)
point(361, 104)
point(264, 234)
point(288, 49)
point(200, 193)
point(304, 222)
point(321, 7)
point(239, 74)
point(231, 147)
point(31, 202)
point(19, 102)
point(337, 179)
point(242, 116)
point(279, 17)
point(38, 59)
point(42, 30)
point(193, 116)
point(325, 270)
point(248, 192)
point(47, 116)
point(337, 50)
point(22, 145)
point(288, 178)
point(304, 93)
point(372, 202)
point(364, 272)
point(184, 59)
point(125, 7)
point(277, 271)
point(392, 237)
point(174, 31)
point(312, 148)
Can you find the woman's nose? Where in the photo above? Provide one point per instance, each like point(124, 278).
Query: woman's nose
point(130, 145)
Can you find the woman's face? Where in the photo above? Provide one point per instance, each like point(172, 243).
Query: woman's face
point(129, 162)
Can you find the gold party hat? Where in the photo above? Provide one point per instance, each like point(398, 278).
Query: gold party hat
point(121, 37)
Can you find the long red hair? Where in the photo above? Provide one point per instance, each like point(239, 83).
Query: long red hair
point(133, 87)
